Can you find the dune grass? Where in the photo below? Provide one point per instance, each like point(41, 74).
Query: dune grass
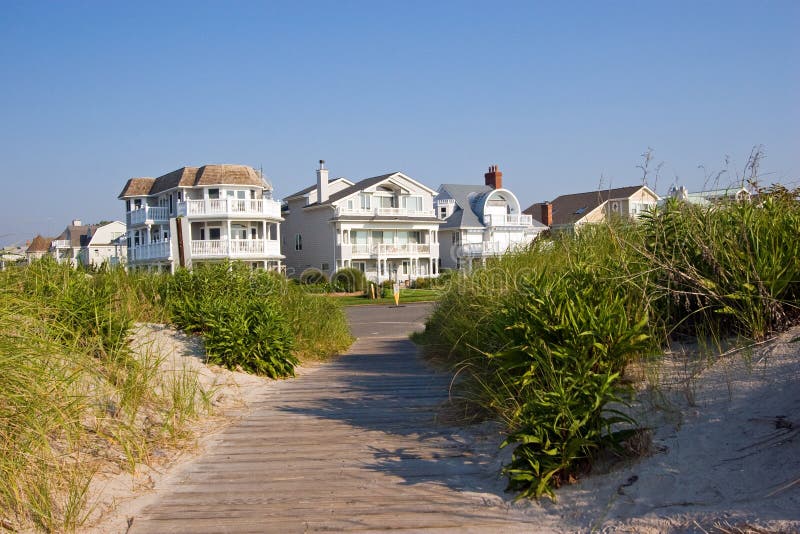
point(542, 337)
point(75, 395)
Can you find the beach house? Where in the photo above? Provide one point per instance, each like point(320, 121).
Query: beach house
point(195, 215)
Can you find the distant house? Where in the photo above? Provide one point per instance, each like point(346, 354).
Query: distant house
point(568, 212)
point(202, 214)
point(705, 198)
point(39, 247)
point(89, 244)
point(481, 221)
point(384, 226)
point(12, 255)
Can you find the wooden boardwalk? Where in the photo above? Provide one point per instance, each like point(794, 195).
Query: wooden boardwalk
point(352, 445)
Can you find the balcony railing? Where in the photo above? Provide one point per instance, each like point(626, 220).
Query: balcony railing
point(384, 212)
point(487, 248)
point(507, 220)
point(60, 243)
point(230, 207)
point(374, 250)
point(148, 213)
point(234, 248)
point(150, 251)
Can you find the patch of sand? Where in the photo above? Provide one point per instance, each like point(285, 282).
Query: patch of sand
point(725, 453)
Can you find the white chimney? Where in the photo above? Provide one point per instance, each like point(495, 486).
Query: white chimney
point(322, 182)
point(76, 222)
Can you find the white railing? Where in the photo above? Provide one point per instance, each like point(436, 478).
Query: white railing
point(234, 248)
point(385, 249)
point(507, 220)
point(487, 248)
point(60, 243)
point(384, 212)
point(150, 251)
point(148, 213)
point(230, 207)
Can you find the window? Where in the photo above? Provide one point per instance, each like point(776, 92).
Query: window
point(214, 234)
point(127, 205)
point(385, 202)
point(180, 196)
point(366, 201)
point(360, 265)
point(238, 231)
point(298, 242)
point(442, 212)
point(137, 203)
point(213, 193)
point(413, 203)
point(171, 203)
point(202, 234)
point(325, 266)
point(253, 233)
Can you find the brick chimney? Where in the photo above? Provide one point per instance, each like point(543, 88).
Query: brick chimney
point(547, 214)
point(494, 178)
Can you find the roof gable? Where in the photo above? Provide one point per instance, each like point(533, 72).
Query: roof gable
point(569, 209)
point(195, 177)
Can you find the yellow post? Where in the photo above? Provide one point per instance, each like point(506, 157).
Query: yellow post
point(397, 293)
point(372, 290)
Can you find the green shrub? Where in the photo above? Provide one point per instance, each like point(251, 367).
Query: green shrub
point(313, 276)
point(349, 280)
point(541, 337)
point(569, 340)
point(252, 336)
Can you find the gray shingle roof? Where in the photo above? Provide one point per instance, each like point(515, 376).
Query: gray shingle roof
point(463, 216)
point(358, 186)
point(309, 189)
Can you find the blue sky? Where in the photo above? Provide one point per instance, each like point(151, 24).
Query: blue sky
point(557, 94)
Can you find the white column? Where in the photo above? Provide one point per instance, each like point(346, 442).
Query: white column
point(228, 242)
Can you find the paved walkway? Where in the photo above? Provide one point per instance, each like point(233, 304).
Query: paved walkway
point(352, 445)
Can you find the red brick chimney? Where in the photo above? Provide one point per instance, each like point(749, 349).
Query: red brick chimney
point(494, 178)
point(547, 214)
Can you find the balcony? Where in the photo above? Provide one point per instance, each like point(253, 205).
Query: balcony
point(149, 252)
point(376, 250)
point(487, 248)
point(507, 220)
point(148, 214)
point(235, 248)
point(230, 207)
point(343, 211)
point(60, 243)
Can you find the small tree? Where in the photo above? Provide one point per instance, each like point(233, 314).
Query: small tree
point(349, 280)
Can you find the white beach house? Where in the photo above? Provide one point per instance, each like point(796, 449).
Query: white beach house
point(384, 226)
point(202, 214)
point(481, 221)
